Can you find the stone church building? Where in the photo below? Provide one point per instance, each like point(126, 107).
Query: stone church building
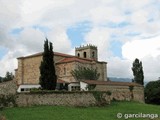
point(27, 74)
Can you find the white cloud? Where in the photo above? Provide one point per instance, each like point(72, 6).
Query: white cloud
point(151, 67)
point(32, 39)
point(148, 51)
point(141, 48)
point(100, 38)
point(61, 42)
point(119, 68)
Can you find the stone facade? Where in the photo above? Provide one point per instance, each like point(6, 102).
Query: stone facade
point(8, 88)
point(120, 92)
point(63, 99)
point(28, 67)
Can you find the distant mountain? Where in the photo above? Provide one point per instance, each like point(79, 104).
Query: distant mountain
point(122, 80)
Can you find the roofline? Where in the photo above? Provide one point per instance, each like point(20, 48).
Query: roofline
point(41, 53)
point(61, 54)
point(113, 83)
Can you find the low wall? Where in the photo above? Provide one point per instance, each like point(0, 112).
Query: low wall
point(8, 87)
point(123, 92)
point(63, 99)
point(9, 97)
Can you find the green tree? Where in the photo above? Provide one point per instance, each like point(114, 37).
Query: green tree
point(152, 92)
point(138, 72)
point(48, 78)
point(1, 79)
point(84, 73)
point(8, 76)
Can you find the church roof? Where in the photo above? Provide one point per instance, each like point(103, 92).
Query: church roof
point(61, 81)
point(67, 58)
point(41, 53)
point(75, 59)
point(96, 82)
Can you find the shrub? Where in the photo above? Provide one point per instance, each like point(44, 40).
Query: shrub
point(152, 92)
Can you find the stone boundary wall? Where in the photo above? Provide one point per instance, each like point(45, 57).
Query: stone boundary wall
point(123, 92)
point(8, 87)
point(62, 99)
point(9, 97)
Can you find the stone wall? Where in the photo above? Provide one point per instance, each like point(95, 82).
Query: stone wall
point(123, 92)
point(8, 88)
point(62, 99)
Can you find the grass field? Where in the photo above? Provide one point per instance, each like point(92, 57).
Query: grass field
point(76, 113)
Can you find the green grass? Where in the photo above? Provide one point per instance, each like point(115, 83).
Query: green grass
point(76, 113)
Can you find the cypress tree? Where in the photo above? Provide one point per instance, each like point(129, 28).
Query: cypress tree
point(138, 72)
point(48, 78)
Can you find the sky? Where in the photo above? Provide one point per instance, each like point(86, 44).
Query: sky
point(121, 29)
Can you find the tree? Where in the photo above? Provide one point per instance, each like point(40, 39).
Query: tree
point(1, 79)
point(48, 78)
point(8, 76)
point(84, 73)
point(138, 72)
point(152, 92)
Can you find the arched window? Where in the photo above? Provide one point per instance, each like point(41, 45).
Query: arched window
point(84, 54)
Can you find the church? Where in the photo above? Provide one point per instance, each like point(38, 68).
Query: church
point(27, 74)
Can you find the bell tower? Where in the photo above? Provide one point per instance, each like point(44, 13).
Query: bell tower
point(88, 51)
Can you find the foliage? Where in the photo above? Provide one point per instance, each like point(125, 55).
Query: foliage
point(152, 92)
point(91, 86)
point(1, 79)
point(138, 72)
point(9, 76)
point(7, 101)
point(48, 78)
point(108, 112)
point(100, 97)
point(131, 88)
point(84, 73)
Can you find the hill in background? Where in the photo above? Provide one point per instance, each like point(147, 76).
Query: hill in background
point(116, 79)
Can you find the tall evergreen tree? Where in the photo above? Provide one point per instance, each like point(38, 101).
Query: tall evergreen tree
point(48, 78)
point(138, 72)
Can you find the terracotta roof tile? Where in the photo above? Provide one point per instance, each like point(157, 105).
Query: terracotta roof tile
point(40, 54)
point(111, 83)
point(75, 59)
point(61, 81)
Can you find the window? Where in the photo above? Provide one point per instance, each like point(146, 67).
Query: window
point(84, 54)
point(93, 54)
point(64, 71)
point(75, 88)
point(78, 55)
point(22, 89)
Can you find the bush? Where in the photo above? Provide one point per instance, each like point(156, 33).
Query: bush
point(152, 92)
point(7, 101)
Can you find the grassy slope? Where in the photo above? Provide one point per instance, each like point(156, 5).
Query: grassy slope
point(73, 113)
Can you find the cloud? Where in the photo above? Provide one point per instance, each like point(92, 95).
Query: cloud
point(124, 21)
point(61, 42)
point(147, 50)
point(100, 38)
point(32, 39)
point(141, 48)
point(119, 68)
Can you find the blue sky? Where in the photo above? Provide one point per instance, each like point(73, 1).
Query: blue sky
point(122, 30)
point(77, 32)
